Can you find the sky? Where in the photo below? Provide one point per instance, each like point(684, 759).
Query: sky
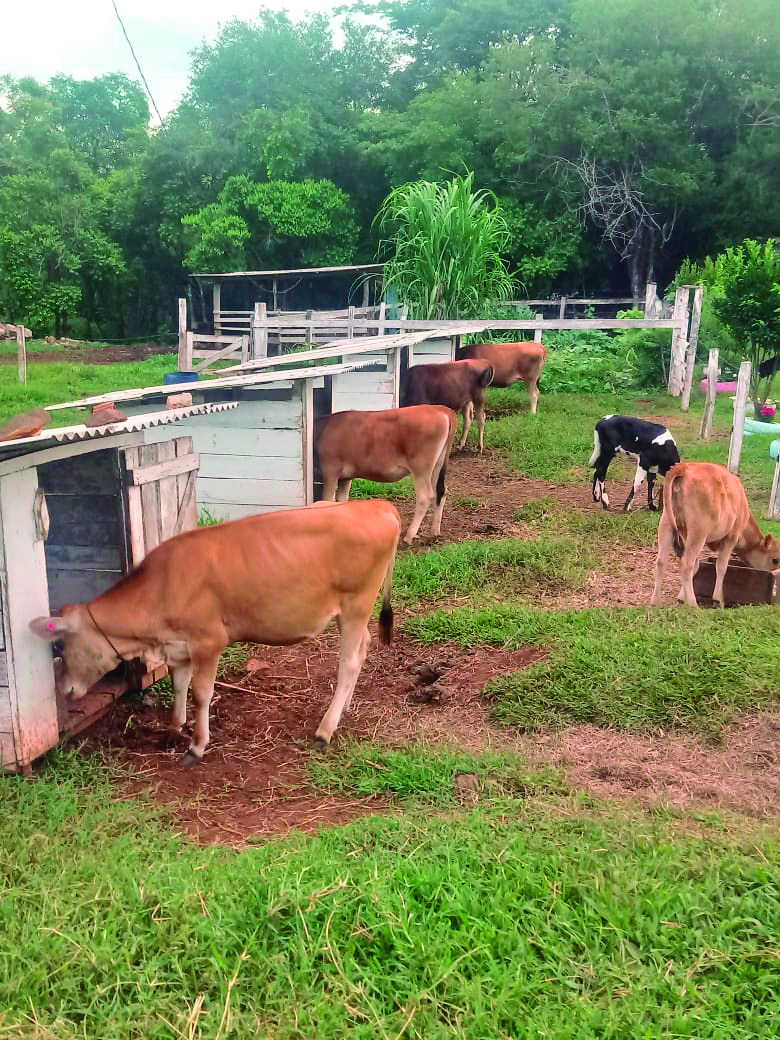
point(83, 38)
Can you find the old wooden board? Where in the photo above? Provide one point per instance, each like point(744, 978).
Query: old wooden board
point(742, 585)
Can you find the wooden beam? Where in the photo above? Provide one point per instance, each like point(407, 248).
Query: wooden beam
point(21, 353)
point(712, 390)
point(216, 295)
point(650, 297)
point(562, 308)
point(693, 342)
point(738, 425)
point(169, 468)
point(679, 342)
point(184, 363)
point(240, 344)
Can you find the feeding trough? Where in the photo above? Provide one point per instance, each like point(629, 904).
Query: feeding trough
point(742, 586)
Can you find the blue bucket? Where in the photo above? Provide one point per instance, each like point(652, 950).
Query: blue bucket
point(180, 377)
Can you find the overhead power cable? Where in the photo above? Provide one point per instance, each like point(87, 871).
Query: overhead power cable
point(137, 62)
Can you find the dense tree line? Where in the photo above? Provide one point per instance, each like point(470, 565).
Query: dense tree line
point(619, 137)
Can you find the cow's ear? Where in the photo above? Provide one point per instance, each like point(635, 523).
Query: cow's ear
point(768, 539)
point(50, 628)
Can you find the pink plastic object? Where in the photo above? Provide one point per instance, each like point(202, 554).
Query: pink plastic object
point(720, 388)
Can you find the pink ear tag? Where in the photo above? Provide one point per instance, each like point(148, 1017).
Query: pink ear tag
point(51, 626)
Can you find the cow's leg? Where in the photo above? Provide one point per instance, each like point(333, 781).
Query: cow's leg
point(423, 495)
point(650, 482)
point(352, 654)
point(689, 564)
point(364, 651)
point(330, 483)
point(533, 393)
point(468, 415)
point(203, 675)
point(665, 548)
point(639, 476)
point(180, 679)
point(721, 566)
point(439, 482)
point(600, 477)
point(479, 412)
point(342, 494)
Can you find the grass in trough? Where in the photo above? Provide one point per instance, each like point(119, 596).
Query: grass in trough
point(489, 570)
point(514, 919)
point(628, 669)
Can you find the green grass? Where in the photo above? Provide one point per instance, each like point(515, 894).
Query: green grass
point(375, 489)
point(489, 570)
point(60, 381)
point(628, 669)
point(421, 773)
point(515, 922)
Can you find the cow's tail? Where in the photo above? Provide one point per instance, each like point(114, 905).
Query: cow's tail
point(486, 378)
point(677, 543)
point(596, 449)
point(386, 613)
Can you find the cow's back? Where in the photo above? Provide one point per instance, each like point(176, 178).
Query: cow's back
point(708, 497)
point(510, 361)
point(452, 384)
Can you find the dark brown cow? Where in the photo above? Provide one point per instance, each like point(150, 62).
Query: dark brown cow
point(276, 579)
point(512, 362)
point(459, 385)
point(386, 446)
point(705, 504)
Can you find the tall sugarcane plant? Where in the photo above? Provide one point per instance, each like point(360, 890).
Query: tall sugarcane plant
point(443, 248)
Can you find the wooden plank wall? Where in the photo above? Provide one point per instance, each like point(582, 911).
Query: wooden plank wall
point(251, 459)
point(86, 551)
point(366, 389)
point(432, 351)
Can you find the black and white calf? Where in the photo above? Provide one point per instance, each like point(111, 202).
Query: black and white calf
point(650, 444)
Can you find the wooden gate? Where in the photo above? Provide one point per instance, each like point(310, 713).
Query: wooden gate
point(160, 493)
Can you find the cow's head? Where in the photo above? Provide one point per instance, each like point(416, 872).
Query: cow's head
point(764, 555)
point(87, 654)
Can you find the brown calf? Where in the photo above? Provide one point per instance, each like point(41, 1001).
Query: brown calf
point(277, 579)
point(512, 362)
point(387, 446)
point(705, 504)
point(459, 385)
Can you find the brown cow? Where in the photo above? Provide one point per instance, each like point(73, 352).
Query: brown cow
point(459, 385)
point(386, 446)
point(277, 579)
point(512, 362)
point(705, 504)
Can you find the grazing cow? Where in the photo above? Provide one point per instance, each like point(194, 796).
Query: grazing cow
point(512, 362)
point(650, 445)
point(705, 504)
point(277, 579)
point(459, 385)
point(386, 446)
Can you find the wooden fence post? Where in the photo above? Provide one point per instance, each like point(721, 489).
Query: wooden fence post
point(382, 308)
point(259, 332)
point(350, 322)
point(679, 342)
point(537, 332)
point(216, 295)
point(309, 328)
point(693, 342)
point(365, 293)
point(183, 364)
point(21, 353)
point(738, 426)
point(562, 308)
point(650, 295)
point(712, 389)
point(774, 499)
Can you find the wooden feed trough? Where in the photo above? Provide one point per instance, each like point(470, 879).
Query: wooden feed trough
point(742, 585)
point(79, 508)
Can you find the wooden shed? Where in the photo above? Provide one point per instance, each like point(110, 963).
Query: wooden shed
point(79, 508)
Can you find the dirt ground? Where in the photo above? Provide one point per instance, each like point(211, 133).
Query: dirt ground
point(91, 356)
point(253, 782)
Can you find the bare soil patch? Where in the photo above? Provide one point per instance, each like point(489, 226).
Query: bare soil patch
point(91, 355)
point(253, 779)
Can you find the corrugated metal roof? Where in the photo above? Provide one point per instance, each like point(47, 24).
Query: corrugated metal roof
point(74, 434)
point(313, 271)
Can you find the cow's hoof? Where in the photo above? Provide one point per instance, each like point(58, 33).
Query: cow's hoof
point(189, 758)
point(652, 508)
point(320, 744)
point(604, 505)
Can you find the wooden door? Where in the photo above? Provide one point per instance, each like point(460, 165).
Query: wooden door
point(160, 493)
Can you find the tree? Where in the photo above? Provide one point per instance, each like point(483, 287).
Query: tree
point(444, 248)
point(750, 309)
point(276, 224)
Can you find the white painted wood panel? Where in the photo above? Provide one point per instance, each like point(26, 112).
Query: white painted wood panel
point(238, 510)
point(250, 415)
point(270, 443)
point(258, 467)
point(25, 595)
point(258, 493)
point(360, 382)
point(5, 704)
point(432, 352)
point(363, 402)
